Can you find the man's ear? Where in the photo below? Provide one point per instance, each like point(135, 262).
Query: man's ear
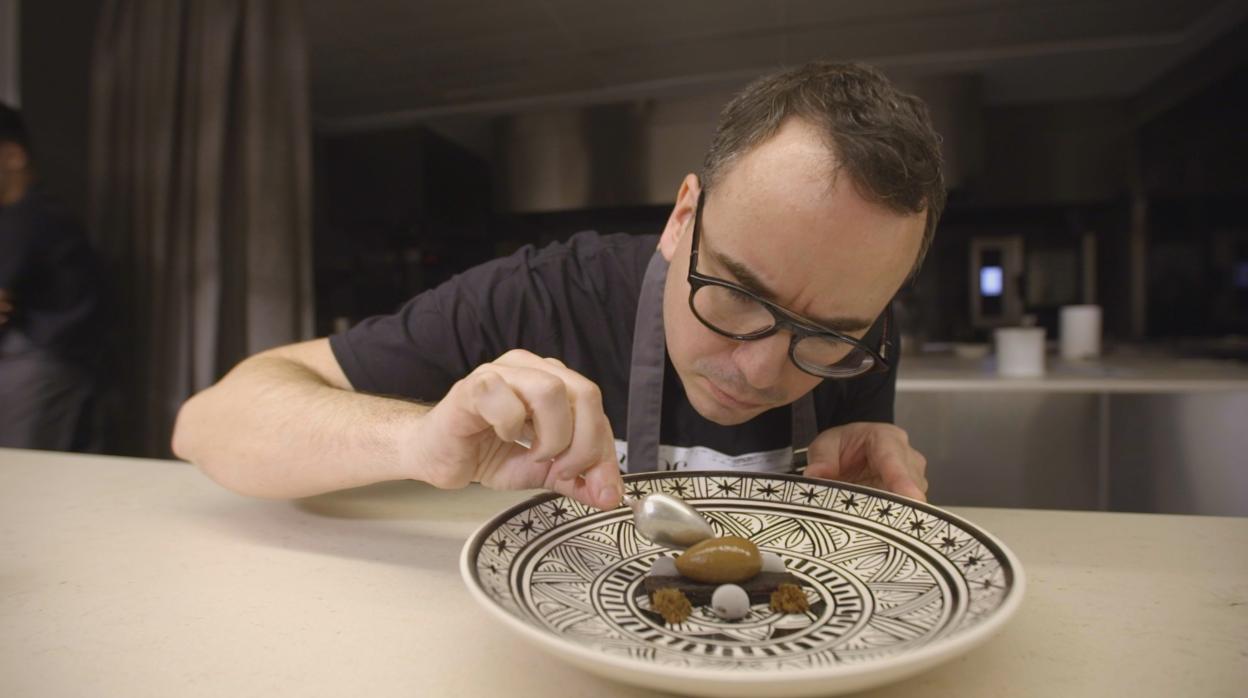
point(681, 219)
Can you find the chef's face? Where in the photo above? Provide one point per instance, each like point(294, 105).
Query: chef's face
point(781, 223)
point(13, 172)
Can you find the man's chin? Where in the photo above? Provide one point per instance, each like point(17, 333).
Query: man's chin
point(724, 415)
point(724, 419)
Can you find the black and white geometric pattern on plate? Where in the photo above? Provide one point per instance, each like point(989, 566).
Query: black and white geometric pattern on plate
point(883, 576)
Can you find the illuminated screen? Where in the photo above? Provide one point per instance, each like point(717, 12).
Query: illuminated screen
point(990, 281)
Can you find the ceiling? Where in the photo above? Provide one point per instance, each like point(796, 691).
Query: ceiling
point(384, 60)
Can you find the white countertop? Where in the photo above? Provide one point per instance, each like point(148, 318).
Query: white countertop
point(943, 373)
point(127, 577)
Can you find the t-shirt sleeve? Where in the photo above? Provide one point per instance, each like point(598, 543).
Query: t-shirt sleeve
point(16, 250)
point(538, 300)
point(442, 334)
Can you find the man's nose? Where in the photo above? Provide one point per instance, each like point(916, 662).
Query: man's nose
point(762, 361)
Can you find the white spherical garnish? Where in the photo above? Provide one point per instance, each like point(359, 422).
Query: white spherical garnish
point(772, 562)
point(730, 602)
point(664, 567)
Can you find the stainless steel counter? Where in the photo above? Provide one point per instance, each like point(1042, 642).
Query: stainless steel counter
point(1146, 434)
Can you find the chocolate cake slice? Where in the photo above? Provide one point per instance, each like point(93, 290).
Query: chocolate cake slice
point(759, 587)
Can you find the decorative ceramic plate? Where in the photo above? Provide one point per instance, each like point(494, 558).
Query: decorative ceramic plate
point(894, 586)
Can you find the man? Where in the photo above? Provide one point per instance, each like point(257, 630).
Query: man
point(49, 297)
point(759, 325)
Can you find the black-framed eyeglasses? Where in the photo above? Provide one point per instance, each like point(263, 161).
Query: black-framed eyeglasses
point(736, 312)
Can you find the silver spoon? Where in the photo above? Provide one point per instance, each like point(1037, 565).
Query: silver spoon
point(669, 521)
point(661, 518)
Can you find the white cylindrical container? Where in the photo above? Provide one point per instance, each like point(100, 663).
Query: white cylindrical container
point(1020, 351)
point(1081, 332)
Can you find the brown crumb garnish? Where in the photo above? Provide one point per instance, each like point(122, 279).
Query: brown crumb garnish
point(672, 604)
point(788, 598)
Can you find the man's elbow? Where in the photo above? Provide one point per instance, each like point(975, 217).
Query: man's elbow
point(191, 442)
point(185, 428)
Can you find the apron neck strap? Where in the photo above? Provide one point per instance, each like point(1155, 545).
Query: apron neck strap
point(645, 376)
point(645, 379)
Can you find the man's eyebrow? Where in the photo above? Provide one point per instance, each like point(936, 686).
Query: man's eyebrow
point(746, 278)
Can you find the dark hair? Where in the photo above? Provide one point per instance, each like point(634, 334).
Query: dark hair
point(12, 127)
point(881, 137)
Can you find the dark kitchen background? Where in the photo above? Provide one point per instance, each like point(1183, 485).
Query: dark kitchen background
point(1103, 141)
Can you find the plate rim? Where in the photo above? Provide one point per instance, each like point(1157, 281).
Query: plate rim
point(900, 665)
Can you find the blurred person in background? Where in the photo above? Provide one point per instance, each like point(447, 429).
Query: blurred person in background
point(49, 308)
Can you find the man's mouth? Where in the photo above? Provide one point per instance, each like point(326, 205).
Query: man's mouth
point(729, 400)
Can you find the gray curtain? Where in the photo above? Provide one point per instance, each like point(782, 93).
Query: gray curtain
point(200, 184)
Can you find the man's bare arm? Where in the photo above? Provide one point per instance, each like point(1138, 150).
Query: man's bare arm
point(285, 423)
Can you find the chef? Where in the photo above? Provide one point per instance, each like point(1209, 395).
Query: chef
point(752, 333)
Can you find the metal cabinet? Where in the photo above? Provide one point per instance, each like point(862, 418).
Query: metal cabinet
point(1166, 452)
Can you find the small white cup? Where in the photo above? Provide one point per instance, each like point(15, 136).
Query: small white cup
point(1020, 351)
point(1081, 332)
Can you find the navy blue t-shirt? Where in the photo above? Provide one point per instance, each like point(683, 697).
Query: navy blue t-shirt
point(575, 301)
point(50, 269)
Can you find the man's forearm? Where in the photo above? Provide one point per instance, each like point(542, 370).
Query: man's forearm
point(275, 428)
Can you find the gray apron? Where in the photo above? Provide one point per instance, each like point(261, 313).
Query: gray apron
point(645, 380)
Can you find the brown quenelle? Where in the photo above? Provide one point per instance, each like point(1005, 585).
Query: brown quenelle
point(723, 560)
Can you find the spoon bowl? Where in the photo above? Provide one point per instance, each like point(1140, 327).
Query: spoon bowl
point(669, 521)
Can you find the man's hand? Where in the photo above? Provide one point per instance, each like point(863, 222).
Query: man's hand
point(869, 453)
point(470, 435)
point(6, 306)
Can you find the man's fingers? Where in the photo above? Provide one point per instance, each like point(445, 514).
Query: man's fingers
point(919, 471)
point(572, 446)
point(906, 487)
point(888, 458)
point(588, 433)
point(601, 486)
point(549, 408)
point(591, 434)
point(499, 406)
point(825, 470)
point(876, 455)
point(605, 481)
point(891, 462)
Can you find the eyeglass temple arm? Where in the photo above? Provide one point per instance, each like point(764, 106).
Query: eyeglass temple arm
point(886, 342)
